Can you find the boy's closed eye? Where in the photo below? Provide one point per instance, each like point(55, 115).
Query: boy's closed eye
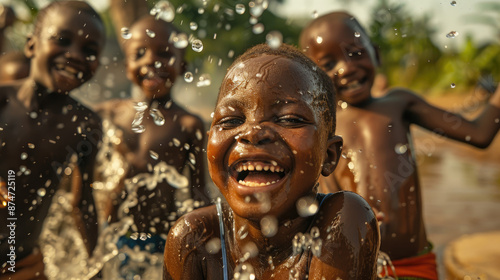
point(291, 121)
point(229, 122)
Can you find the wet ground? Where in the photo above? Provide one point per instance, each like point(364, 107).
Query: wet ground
point(461, 187)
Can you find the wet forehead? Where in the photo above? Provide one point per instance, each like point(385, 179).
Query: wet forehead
point(270, 73)
point(71, 19)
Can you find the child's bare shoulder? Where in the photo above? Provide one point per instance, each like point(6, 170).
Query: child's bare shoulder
point(194, 229)
point(191, 227)
point(345, 215)
point(402, 95)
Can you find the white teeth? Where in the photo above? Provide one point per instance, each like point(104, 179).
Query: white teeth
point(272, 168)
point(251, 168)
point(254, 184)
point(258, 167)
point(266, 168)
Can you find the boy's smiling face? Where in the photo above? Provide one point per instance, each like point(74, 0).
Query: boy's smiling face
point(267, 142)
point(65, 53)
point(153, 63)
point(345, 55)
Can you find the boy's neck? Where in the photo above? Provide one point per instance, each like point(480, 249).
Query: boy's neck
point(34, 96)
point(158, 102)
point(278, 246)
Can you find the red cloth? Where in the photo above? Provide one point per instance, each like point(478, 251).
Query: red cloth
point(423, 266)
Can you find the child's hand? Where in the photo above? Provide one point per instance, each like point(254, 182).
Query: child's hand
point(29, 268)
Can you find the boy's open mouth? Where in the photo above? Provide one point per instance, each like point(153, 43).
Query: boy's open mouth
point(69, 71)
point(352, 85)
point(258, 174)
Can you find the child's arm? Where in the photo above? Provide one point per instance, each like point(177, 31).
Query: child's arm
point(84, 208)
point(351, 238)
point(185, 242)
point(479, 132)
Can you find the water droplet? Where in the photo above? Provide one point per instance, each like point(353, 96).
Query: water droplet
point(204, 80)
point(343, 105)
point(258, 28)
point(157, 64)
point(453, 3)
point(126, 33)
point(193, 25)
point(198, 134)
point(138, 128)
point(24, 156)
point(274, 39)
point(240, 9)
point(319, 39)
point(188, 77)
point(269, 226)
point(180, 40)
point(452, 85)
point(163, 10)
point(307, 206)
point(357, 34)
point(497, 120)
point(33, 115)
point(41, 192)
point(140, 106)
point(452, 34)
point(91, 58)
point(467, 138)
point(257, 7)
point(176, 142)
point(400, 148)
point(31, 145)
point(154, 155)
point(197, 45)
point(315, 14)
point(158, 118)
point(150, 33)
point(213, 245)
point(79, 75)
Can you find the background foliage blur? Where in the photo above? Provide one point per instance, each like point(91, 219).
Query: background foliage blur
point(409, 57)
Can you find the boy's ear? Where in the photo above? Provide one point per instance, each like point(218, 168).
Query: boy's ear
point(29, 46)
point(332, 155)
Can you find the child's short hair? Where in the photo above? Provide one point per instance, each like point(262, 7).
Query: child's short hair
point(80, 6)
point(325, 91)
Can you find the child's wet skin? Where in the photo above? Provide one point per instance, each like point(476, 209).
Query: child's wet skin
point(261, 134)
point(272, 135)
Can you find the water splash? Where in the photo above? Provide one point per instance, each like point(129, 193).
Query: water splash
point(452, 34)
point(258, 28)
point(274, 39)
point(179, 40)
point(240, 9)
point(197, 45)
point(204, 80)
point(125, 33)
point(383, 265)
point(258, 7)
point(163, 10)
point(157, 116)
point(188, 77)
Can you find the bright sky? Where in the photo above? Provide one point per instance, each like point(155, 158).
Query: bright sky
point(445, 16)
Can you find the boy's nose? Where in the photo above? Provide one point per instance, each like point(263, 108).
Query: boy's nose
point(74, 53)
point(258, 135)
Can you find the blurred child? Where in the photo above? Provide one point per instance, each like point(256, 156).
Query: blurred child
point(159, 141)
point(379, 161)
point(14, 66)
point(45, 135)
point(272, 135)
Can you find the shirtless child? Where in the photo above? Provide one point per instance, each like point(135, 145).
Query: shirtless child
point(46, 135)
point(272, 135)
point(158, 139)
point(380, 163)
